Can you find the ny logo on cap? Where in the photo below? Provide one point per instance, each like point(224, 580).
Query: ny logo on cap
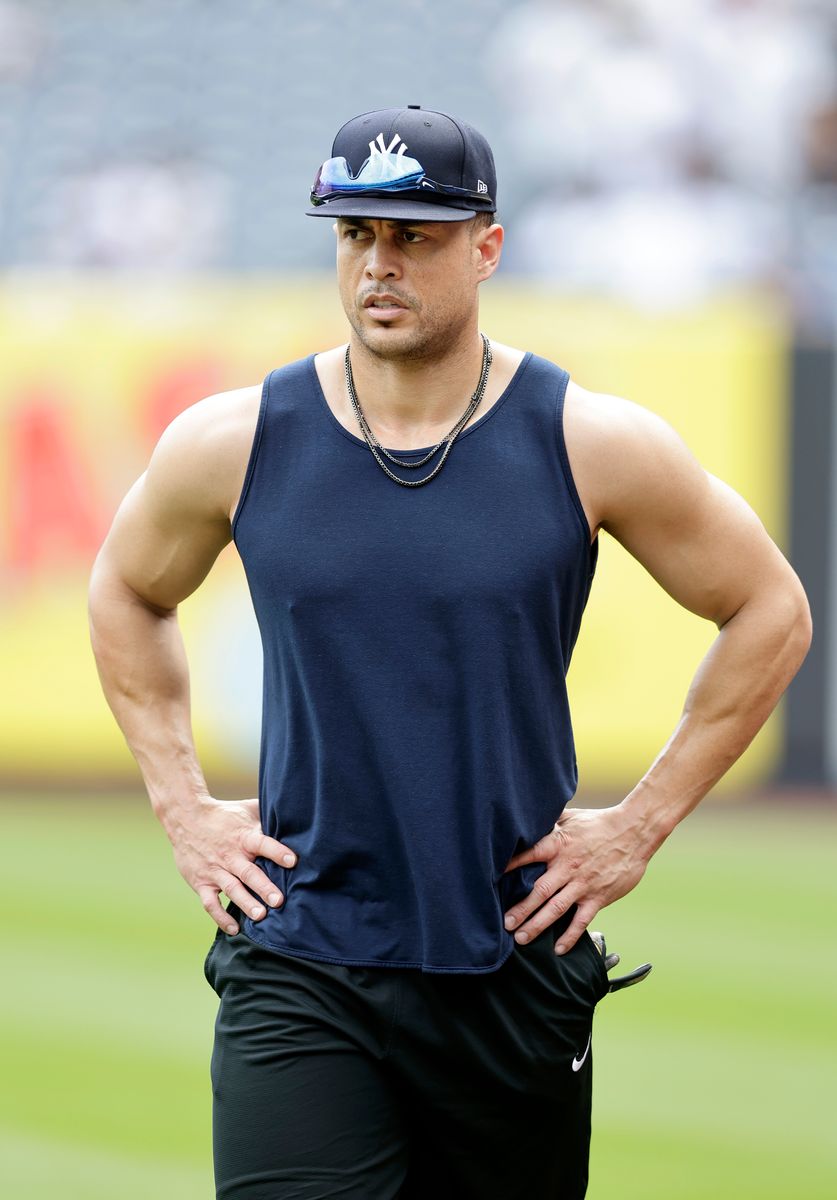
point(378, 146)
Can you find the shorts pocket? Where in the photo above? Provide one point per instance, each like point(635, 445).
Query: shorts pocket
point(577, 979)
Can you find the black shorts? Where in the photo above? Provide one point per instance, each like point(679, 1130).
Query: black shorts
point(377, 1083)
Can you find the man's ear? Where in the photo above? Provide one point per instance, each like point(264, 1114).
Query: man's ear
point(489, 245)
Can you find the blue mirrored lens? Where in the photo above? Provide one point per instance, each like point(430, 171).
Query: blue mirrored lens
point(381, 172)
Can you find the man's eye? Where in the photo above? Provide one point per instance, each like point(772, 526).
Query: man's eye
point(411, 235)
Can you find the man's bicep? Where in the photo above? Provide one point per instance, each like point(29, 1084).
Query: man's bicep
point(695, 535)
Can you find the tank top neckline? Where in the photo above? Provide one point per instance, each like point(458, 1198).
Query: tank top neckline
point(498, 403)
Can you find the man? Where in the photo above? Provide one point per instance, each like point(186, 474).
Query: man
point(419, 563)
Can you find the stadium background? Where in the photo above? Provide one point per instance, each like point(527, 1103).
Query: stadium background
point(671, 212)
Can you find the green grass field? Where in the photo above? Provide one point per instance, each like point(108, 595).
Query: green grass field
point(716, 1078)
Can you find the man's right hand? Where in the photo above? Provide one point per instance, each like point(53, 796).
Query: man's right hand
point(215, 844)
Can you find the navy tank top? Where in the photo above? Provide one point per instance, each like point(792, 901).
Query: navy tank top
point(416, 731)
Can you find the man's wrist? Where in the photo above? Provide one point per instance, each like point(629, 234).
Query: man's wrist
point(177, 811)
point(650, 817)
point(175, 791)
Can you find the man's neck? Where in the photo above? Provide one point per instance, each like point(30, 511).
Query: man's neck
point(402, 399)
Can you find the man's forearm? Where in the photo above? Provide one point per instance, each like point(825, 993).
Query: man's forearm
point(145, 677)
point(142, 666)
point(736, 687)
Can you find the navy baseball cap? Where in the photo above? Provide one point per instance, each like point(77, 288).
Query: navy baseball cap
point(410, 164)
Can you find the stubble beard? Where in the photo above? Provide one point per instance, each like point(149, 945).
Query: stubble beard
point(421, 344)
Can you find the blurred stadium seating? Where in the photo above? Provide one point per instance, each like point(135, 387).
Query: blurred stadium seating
point(243, 97)
point(184, 134)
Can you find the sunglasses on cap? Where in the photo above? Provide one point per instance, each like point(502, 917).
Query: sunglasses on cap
point(381, 172)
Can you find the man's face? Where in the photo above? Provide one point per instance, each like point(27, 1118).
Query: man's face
point(409, 289)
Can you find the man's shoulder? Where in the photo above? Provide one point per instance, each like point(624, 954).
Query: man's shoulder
point(609, 420)
point(200, 459)
point(217, 423)
point(619, 449)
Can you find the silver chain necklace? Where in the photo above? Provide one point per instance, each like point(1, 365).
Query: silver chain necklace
point(374, 445)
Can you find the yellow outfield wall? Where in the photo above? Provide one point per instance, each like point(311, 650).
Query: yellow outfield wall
point(91, 371)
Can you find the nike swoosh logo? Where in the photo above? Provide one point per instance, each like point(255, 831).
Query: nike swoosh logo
point(578, 1063)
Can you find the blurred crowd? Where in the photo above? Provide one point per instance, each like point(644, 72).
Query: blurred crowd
point(666, 150)
point(651, 150)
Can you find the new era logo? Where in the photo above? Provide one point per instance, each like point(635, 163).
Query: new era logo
point(482, 187)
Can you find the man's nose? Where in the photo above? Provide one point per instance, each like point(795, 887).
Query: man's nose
point(381, 261)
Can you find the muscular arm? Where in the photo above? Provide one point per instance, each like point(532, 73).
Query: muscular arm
point(708, 549)
point(167, 533)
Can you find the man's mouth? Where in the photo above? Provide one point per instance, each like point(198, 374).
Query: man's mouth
point(384, 305)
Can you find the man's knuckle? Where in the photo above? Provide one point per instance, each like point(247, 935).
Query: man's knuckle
point(252, 876)
point(542, 888)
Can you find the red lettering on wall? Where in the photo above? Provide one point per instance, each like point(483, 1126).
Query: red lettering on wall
point(53, 515)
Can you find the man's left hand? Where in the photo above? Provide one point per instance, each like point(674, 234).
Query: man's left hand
point(592, 859)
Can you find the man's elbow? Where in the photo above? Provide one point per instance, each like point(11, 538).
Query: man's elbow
point(804, 627)
point(111, 596)
point(798, 625)
point(106, 589)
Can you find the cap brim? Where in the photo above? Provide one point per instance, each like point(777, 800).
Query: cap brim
point(395, 209)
